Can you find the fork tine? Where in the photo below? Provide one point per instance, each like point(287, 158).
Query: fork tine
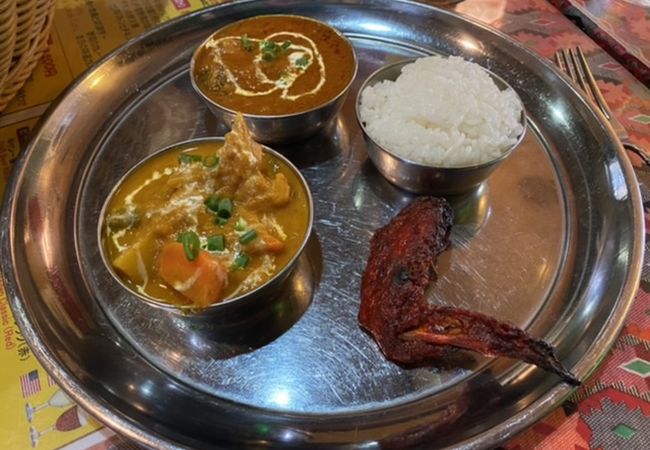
point(591, 81)
point(574, 64)
point(565, 63)
point(559, 60)
point(580, 77)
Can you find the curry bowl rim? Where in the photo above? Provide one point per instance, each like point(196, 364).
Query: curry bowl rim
point(321, 105)
point(193, 309)
point(375, 78)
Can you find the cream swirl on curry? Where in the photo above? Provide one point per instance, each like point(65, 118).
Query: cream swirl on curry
point(298, 60)
point(274, 65)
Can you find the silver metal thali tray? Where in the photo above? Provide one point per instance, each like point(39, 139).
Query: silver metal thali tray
point(552, 242)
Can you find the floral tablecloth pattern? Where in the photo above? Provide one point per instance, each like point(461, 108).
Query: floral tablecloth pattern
point(612, 409)
point(619, 26)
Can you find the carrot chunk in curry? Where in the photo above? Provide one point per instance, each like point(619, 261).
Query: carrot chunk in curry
point(204, 222)
point(201, 280)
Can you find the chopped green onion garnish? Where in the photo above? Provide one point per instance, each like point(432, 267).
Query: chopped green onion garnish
point(246, 43)
point(211, 161)
point(248, 237)
point(240, 225)
point(225, 208)
point(212, 203)
point(241, 260)
point(216, 243)
point(285, 47)
point(220, 221)
point(184, 158)
point(191, 244)
point(302, 61)
point(269, 50)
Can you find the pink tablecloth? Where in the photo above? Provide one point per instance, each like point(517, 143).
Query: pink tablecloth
point(622, 27)
point(612, 410)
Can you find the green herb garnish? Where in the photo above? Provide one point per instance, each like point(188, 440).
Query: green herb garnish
point(221, 207)
point(225, 208)
point(248, 237)
point(246, 43)
point(241, 261)
point(191, 244)
point(211, 161)
point(284, 48)
point(269, 50)
point(216, 243)
point(220, 221)
point(184, 158)
point(302, 61)
point(240, 225)
point(212, 203)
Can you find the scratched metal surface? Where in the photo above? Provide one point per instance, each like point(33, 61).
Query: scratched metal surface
point(552, 243)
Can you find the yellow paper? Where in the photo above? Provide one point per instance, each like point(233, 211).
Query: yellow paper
point(13, 138)
point(49, 78)
point(84, 31)
point(37, 414)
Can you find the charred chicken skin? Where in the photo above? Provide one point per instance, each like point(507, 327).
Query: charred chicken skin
point(408, 329)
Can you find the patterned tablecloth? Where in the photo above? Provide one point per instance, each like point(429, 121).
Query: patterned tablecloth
point(610, 411)
point(619, 26)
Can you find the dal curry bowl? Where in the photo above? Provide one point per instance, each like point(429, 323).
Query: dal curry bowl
point(288, 75)
point(208, 228)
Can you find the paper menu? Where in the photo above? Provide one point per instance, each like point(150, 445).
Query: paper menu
point(37, 414)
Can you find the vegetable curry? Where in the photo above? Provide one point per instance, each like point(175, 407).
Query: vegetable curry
point(274, 65)
point(202, 223)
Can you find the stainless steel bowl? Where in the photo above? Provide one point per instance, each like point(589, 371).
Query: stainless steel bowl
point(421, 178)
point(284, 128)
point(261, 307)
point(565, 228)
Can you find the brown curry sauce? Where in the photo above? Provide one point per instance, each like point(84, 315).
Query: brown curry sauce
point(303, 51)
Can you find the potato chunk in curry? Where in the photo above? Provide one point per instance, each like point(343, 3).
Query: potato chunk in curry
point(204, 222)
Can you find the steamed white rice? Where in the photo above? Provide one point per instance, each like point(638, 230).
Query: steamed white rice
point(444, 112)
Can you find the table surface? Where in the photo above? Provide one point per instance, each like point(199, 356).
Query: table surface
point(621, 27)
point(610, 411)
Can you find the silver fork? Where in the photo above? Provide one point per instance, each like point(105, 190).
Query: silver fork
point(573, 63)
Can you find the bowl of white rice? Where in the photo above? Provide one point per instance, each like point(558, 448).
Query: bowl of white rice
point(439, 125)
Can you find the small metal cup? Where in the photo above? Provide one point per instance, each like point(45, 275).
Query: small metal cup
point(421, 178)
point(284, 128)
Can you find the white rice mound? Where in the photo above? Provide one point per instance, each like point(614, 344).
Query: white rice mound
point(444, 112)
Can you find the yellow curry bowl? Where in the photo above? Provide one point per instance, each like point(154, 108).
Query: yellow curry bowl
point(288, 75)
point(255, 292)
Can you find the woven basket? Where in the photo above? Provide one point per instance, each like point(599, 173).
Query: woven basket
point(24, 30)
